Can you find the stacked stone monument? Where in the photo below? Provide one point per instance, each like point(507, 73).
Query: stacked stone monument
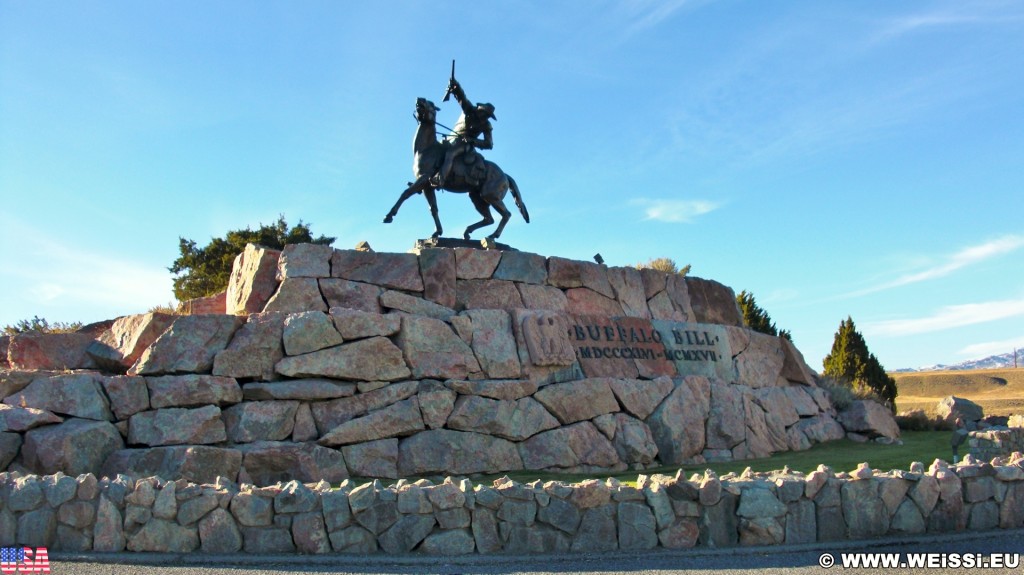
point(336, 363)
point(238, 431)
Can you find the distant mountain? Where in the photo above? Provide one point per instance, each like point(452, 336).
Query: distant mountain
point(992, 362)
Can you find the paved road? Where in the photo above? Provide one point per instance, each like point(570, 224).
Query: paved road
point(783, 560)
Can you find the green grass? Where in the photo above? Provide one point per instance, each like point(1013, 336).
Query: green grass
point(842, 455)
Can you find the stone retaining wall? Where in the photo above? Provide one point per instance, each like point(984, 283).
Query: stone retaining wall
point(995, 442)
point(343, 363)
point(458, 517)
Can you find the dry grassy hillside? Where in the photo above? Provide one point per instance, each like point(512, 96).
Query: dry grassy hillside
point(998, 391)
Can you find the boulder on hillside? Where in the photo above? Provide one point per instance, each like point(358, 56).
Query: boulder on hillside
point(952, 407)
point(869, 418)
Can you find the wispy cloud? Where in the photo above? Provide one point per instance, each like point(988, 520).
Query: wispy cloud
point(957, 14)
point(988, 348)
point(48, 275)
point(644, 14)
point(949, 317)
point(953, 262)
point(675, 211)
point(820, 108)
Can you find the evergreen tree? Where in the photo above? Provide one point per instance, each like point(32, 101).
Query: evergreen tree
point(206, 271)
point(851, 363)
point(756, 318)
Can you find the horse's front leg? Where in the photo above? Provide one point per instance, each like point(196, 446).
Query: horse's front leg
point(413, 189)
point(431, 196)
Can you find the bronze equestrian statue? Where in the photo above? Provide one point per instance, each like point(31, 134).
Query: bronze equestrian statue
point(454, 164)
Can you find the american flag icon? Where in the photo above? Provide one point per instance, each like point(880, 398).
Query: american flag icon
point(24, 560)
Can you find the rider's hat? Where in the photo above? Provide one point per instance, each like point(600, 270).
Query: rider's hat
point(487, 109)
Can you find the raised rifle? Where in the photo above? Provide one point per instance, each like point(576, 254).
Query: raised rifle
point(451, 84)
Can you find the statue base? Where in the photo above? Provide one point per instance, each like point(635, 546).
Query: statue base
point(484, 244)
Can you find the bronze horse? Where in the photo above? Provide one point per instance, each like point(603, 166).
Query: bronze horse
point(486, 192)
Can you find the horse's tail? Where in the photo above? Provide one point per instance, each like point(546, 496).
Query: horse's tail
point(518, 198)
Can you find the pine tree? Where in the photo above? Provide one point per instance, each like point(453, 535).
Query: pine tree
point(851, 363)
point(756, 318)
point(205, 271)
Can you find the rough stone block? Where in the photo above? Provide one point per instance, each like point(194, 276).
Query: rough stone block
point(434, 351)
point(373, 359)
point(74, 447)
point(296, 295)
point(487, 294)
point(569, 446)
point(254, 349)
point(305, 261)
point(260, 420)
point(522, 267)
point(36, 350)
point(437, 268)
point(398, 419)
point(195, 463)
point(563, 399)
point(120, 346)
point(25, 418)
point(395, 271)
point(267, 462)
point(373, 458)
point(309, 331)
point(678, 424)
point(253, 280)
point(330, 414)
point(713, 302)
point(77, 395)
point(396, 300)
point(585, 301)
point(628, 286)
point(188, 346)
point(493, 343)
point(192, 390)
point(516, 420)
point(541, 297)
point(474, 264)
point(456, 452)
point(345, 294)
point(177, 426)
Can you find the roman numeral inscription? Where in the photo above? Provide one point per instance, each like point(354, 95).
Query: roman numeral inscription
point(693, 349)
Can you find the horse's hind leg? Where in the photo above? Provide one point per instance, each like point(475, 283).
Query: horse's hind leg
point(492, 193)
point(505, 215)
point(485, 211)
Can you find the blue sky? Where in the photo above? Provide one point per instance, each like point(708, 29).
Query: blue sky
point(836, 159)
